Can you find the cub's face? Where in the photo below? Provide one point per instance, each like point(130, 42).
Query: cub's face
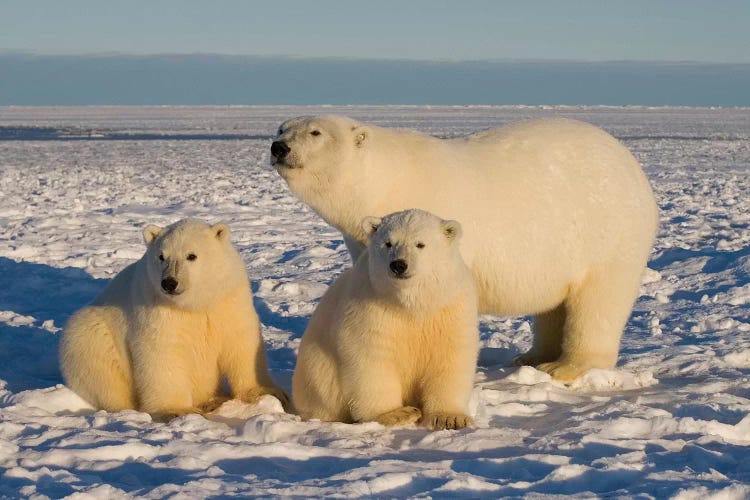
point(311, 153)
point(412, 255)
point(190, 263)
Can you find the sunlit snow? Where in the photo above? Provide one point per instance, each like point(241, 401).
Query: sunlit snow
point(672, 420)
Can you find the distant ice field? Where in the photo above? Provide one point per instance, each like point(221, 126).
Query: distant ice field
point(78, 184)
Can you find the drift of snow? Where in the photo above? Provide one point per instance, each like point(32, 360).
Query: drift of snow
point(673, 420)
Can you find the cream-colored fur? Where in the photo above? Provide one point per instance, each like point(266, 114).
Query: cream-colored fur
point(396, 351)
point(558, 217)
point(137, 346)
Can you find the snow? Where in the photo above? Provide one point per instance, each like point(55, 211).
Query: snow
point(672, 420)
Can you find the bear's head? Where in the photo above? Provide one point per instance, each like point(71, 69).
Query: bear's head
point(314, 153)
point(414, 258)
point(191, 264)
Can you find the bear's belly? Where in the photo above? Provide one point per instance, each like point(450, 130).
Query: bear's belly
point(524, 286)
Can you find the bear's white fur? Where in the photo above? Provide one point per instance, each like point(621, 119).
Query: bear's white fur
point(139, 346)
point(394, 348)
point(558, 217)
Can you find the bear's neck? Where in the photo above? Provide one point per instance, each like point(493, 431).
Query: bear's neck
point(379, 186)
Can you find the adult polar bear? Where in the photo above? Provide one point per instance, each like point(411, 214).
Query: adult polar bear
point(558, 217)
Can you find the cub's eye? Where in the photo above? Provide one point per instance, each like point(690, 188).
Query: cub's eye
point(388, 244)
point(192, 256)
point(315, 132)
point(281, 131)
point(420, 245)
point(161, 257)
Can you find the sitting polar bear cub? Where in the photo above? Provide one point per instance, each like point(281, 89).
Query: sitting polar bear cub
point(164, 331)
point(395, 338)
point(558, 217)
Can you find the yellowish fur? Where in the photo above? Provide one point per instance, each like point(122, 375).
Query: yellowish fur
point(388, 350)
point(558, 217)
point(137, 347)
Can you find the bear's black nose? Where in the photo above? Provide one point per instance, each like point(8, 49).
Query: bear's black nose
point(279, 149)
point(169, 285)
point(399, 267)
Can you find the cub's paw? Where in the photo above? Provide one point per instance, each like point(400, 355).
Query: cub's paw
point(253, 395)
point(167, 415)
point(212, 404)
point(441, 421)
point(563, 371)
point(406, 415)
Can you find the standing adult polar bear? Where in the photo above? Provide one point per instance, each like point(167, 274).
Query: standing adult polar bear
point(558, 217)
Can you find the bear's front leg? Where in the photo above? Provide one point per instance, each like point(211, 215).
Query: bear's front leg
point(446, 392)
point(163, 384)
point(243, 359)
point(374, 393)
point(164, 395)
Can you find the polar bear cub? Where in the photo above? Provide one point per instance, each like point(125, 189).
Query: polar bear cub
point(394, 339)
point(166, 329)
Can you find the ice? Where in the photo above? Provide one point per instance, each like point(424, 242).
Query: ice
point(671, 420)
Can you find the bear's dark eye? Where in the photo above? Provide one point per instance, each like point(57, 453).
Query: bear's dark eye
point(192, 256)
point(420, 245)
point(315, 132)
point(281, 131)
point(161, 257)
point(388, 244)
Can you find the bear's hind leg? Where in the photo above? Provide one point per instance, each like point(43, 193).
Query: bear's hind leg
point(94, 364)
point(597, 311)
point(548, 338)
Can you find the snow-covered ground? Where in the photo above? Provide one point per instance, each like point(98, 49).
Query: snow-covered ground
point(672, 420)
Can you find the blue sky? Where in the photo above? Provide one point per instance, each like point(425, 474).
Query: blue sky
point(375, 52)
point(589, 30)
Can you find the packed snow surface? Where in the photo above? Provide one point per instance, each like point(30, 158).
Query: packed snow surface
point(79, 184)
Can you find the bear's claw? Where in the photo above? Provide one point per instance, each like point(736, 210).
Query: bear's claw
point(442, 421)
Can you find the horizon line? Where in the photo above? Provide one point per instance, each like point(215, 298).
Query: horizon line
point(299, 58)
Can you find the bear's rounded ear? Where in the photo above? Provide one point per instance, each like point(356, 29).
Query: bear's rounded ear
point(221, 231)
point(360, 134)
point(151, 232)
point(451, 229)
point(370, 225)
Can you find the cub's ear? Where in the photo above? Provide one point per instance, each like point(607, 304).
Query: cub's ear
point(221, 231)
point(360, 134)
point(451, 229)
point(151, 232)
point(370, 225)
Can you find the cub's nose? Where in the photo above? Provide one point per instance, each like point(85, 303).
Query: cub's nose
point(398, 267)
point(169, 285)
point(279, 149)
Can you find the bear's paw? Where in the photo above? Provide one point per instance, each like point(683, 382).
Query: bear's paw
point(406, 415)
point(443, 421)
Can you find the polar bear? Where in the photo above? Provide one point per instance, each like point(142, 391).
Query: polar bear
point(559, 219)
point(395, 339)
point(166, 329)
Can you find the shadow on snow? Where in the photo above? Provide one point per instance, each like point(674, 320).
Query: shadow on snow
point(28, 350)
